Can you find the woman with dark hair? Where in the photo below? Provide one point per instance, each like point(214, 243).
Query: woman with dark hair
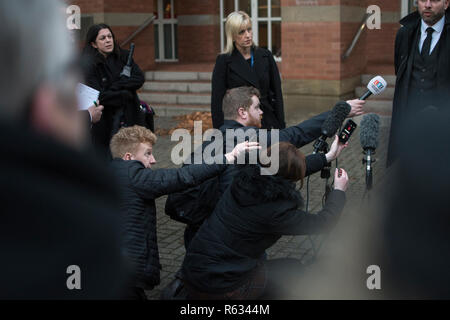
point(244, 64)
point(226, 260)
point(103, 62)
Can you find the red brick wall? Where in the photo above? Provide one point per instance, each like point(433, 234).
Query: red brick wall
point(355, 64)
point(310, 50)
point(313, 50)
point(124, 6)
point(145, 51)
point(379, 44)
point(198, 43)
point(89, 6)
point(144, 54)
point(189, 7)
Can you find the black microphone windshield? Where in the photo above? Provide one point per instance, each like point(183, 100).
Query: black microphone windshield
point(335, 119)
point(370, 125)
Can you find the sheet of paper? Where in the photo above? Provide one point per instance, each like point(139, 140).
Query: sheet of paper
point(86, 96)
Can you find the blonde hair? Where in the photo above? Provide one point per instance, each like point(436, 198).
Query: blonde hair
point(233, 24)
point(128, 140)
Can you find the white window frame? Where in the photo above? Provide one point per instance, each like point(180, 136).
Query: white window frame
point(255, 22)
point(405, 9)
point(161, 22)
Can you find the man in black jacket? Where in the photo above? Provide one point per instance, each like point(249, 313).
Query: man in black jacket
point(59, 234)
point(243, 121)
point(422, 65)
point(132, 152)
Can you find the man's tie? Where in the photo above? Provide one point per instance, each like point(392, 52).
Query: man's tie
point(427, 44)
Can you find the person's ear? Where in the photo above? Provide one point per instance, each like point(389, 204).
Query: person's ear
point(242, 112)
point(127, 156)
point(94, 45)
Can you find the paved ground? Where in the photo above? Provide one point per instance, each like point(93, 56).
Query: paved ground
point(170, 233)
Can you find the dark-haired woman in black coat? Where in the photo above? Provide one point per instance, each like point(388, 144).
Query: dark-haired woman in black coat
point(103, 62)
point(225, 259)
point(244, 64)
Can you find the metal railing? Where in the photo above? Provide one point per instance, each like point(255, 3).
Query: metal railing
point(357, 35)
point(144, 25)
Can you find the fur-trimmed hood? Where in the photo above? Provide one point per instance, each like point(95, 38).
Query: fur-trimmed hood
point(250, 188)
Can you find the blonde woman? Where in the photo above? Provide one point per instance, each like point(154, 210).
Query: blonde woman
point(244, 64)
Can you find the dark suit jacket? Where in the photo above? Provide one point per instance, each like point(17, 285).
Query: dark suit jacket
point(405, 43)
point(233, 71)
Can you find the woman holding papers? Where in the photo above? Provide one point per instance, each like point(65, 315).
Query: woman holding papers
point(103, 63)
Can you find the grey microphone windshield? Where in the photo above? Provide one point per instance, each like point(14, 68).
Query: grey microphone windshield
point(370, 125)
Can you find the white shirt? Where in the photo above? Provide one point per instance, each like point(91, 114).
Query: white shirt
point(438, 27)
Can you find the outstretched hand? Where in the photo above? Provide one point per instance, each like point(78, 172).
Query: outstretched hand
point(240, 149)
point(357, 107)
point(340, 180)
point(335, 149)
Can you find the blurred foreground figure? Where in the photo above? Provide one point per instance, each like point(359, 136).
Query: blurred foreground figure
point(417, 222)
point(405, 232)
point(58, 234)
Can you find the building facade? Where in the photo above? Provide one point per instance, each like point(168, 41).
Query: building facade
point(307, 37)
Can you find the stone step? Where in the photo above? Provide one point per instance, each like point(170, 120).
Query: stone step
point(381, 107)
point(170, 86)
point(177, 76)
point(170, 110)
point(390, 79)
point(387, 94)
point(176, 98)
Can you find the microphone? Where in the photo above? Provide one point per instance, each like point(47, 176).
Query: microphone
point(375, 86)
point(127, 68)
point(331, 124)
point(370, 125)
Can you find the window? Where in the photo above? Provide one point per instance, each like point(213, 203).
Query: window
point(165, 27)
point(266, 19)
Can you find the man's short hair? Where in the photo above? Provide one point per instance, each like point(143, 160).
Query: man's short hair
point(128, 140)
point(240, 97)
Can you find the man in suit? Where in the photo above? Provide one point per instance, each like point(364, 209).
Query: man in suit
point(421, 64)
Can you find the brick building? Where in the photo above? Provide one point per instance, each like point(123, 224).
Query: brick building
point(307, 37)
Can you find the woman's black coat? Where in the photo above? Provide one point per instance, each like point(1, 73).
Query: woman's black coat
point(249, 218)
point(233, 71)
point(117, 93)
